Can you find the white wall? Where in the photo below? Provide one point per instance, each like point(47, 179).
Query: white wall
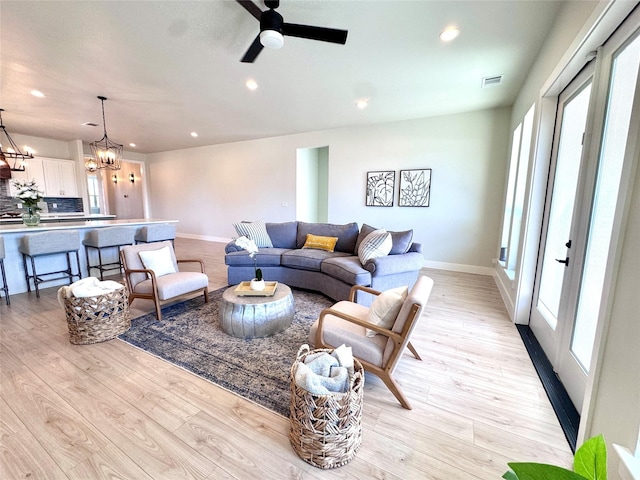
point(209, 188)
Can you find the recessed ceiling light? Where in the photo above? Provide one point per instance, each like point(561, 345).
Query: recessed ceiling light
point(37, 93)
point(132, 144)
point(194, 134)
point(449, 33)
point(251, 84)
point(90, 124)
point(362, 103)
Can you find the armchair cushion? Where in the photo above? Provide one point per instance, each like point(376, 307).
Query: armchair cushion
point(337, 331)
point(385, 308)
point(174, 285)
point(159, 261)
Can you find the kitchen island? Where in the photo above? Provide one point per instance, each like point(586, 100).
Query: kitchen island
point(12, 233)
point(56, 217)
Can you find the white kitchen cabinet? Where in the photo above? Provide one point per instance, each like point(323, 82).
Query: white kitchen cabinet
point(34, 170)
point(60, 178)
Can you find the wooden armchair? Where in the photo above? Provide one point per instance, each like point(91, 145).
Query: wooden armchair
point(346, 322)
point(161, 278)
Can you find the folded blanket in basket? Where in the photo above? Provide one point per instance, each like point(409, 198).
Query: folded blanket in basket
point(87, 287)
point(323, 373)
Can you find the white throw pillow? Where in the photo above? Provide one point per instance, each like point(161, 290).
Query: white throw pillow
point(159, 261)
point(385, 308)
point(256, 231)
point(377, 244)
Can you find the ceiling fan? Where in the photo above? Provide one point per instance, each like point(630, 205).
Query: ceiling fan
point(273, 28)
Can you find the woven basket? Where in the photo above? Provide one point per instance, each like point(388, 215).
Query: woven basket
point(97, 319)
point(326, 430)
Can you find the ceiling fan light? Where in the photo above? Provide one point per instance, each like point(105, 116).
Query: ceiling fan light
point(449, 34)
point(271, 39)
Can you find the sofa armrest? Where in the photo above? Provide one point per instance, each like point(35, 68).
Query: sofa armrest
point(232, 247)
point(407, 262)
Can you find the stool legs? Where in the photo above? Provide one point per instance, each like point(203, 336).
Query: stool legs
point(37, 279)
point(103, 267)
point(5, 287)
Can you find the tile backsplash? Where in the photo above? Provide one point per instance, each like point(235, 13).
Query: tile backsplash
point(62, 204)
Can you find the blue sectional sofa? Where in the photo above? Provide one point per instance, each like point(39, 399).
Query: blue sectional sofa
point(331, 273)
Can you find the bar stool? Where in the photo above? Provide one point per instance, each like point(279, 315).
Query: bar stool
point(49, 243)
point(156, 233)
point(5, 287)
point(111, 237)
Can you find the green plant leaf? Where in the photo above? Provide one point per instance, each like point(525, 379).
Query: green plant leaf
point(590, 459)
point(509, 475)
point(542, 471)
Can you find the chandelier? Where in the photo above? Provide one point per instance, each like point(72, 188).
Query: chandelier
point(12, 151)
point(106, 153)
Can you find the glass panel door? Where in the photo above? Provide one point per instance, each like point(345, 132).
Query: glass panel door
point(582, 222)
point(555, 263)
point(624, 77)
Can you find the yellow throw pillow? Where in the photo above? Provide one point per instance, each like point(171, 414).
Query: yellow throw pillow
point(320, 243)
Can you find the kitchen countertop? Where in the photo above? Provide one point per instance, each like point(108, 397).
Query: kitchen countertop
point(57, 224)
point(58, 217)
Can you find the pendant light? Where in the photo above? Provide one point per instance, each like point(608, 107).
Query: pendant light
point(12, 152)
point(106, 153)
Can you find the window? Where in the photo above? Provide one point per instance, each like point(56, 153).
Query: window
point(94, 193)
point(516, 187)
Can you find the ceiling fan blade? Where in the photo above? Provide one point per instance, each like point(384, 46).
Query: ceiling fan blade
point(251, 7)
point(323, 34)
point(253, 51)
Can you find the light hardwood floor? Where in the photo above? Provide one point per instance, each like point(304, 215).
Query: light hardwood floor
point(110, 410)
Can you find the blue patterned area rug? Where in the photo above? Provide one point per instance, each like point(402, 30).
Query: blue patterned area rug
point(190, 336)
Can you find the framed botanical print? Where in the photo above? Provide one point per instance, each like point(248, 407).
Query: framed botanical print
point(380, 188)
point(415, 188)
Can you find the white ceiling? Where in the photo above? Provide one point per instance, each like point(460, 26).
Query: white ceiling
point(170, 68)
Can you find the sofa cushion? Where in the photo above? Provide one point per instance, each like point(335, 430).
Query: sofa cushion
point(347, 234)
point(255, 231)
point(283, 235)
point(320, 243)
point(307, 259)
point(346, 268)
point(364, 231)
point(402, 241)
point(267, 257)
point(377, 244)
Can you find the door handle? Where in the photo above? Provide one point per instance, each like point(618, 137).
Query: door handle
point(565, 261)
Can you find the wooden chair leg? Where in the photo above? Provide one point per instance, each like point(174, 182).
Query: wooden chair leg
point(413, 350)
point(206, 295)
point(395, 389)
point(158, 309)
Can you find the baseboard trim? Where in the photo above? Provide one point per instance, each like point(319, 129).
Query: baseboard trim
point(205, 238)
point(567, 414)
point(458, 267)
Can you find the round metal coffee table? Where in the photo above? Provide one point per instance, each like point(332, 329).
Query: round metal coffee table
point(253, 316)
